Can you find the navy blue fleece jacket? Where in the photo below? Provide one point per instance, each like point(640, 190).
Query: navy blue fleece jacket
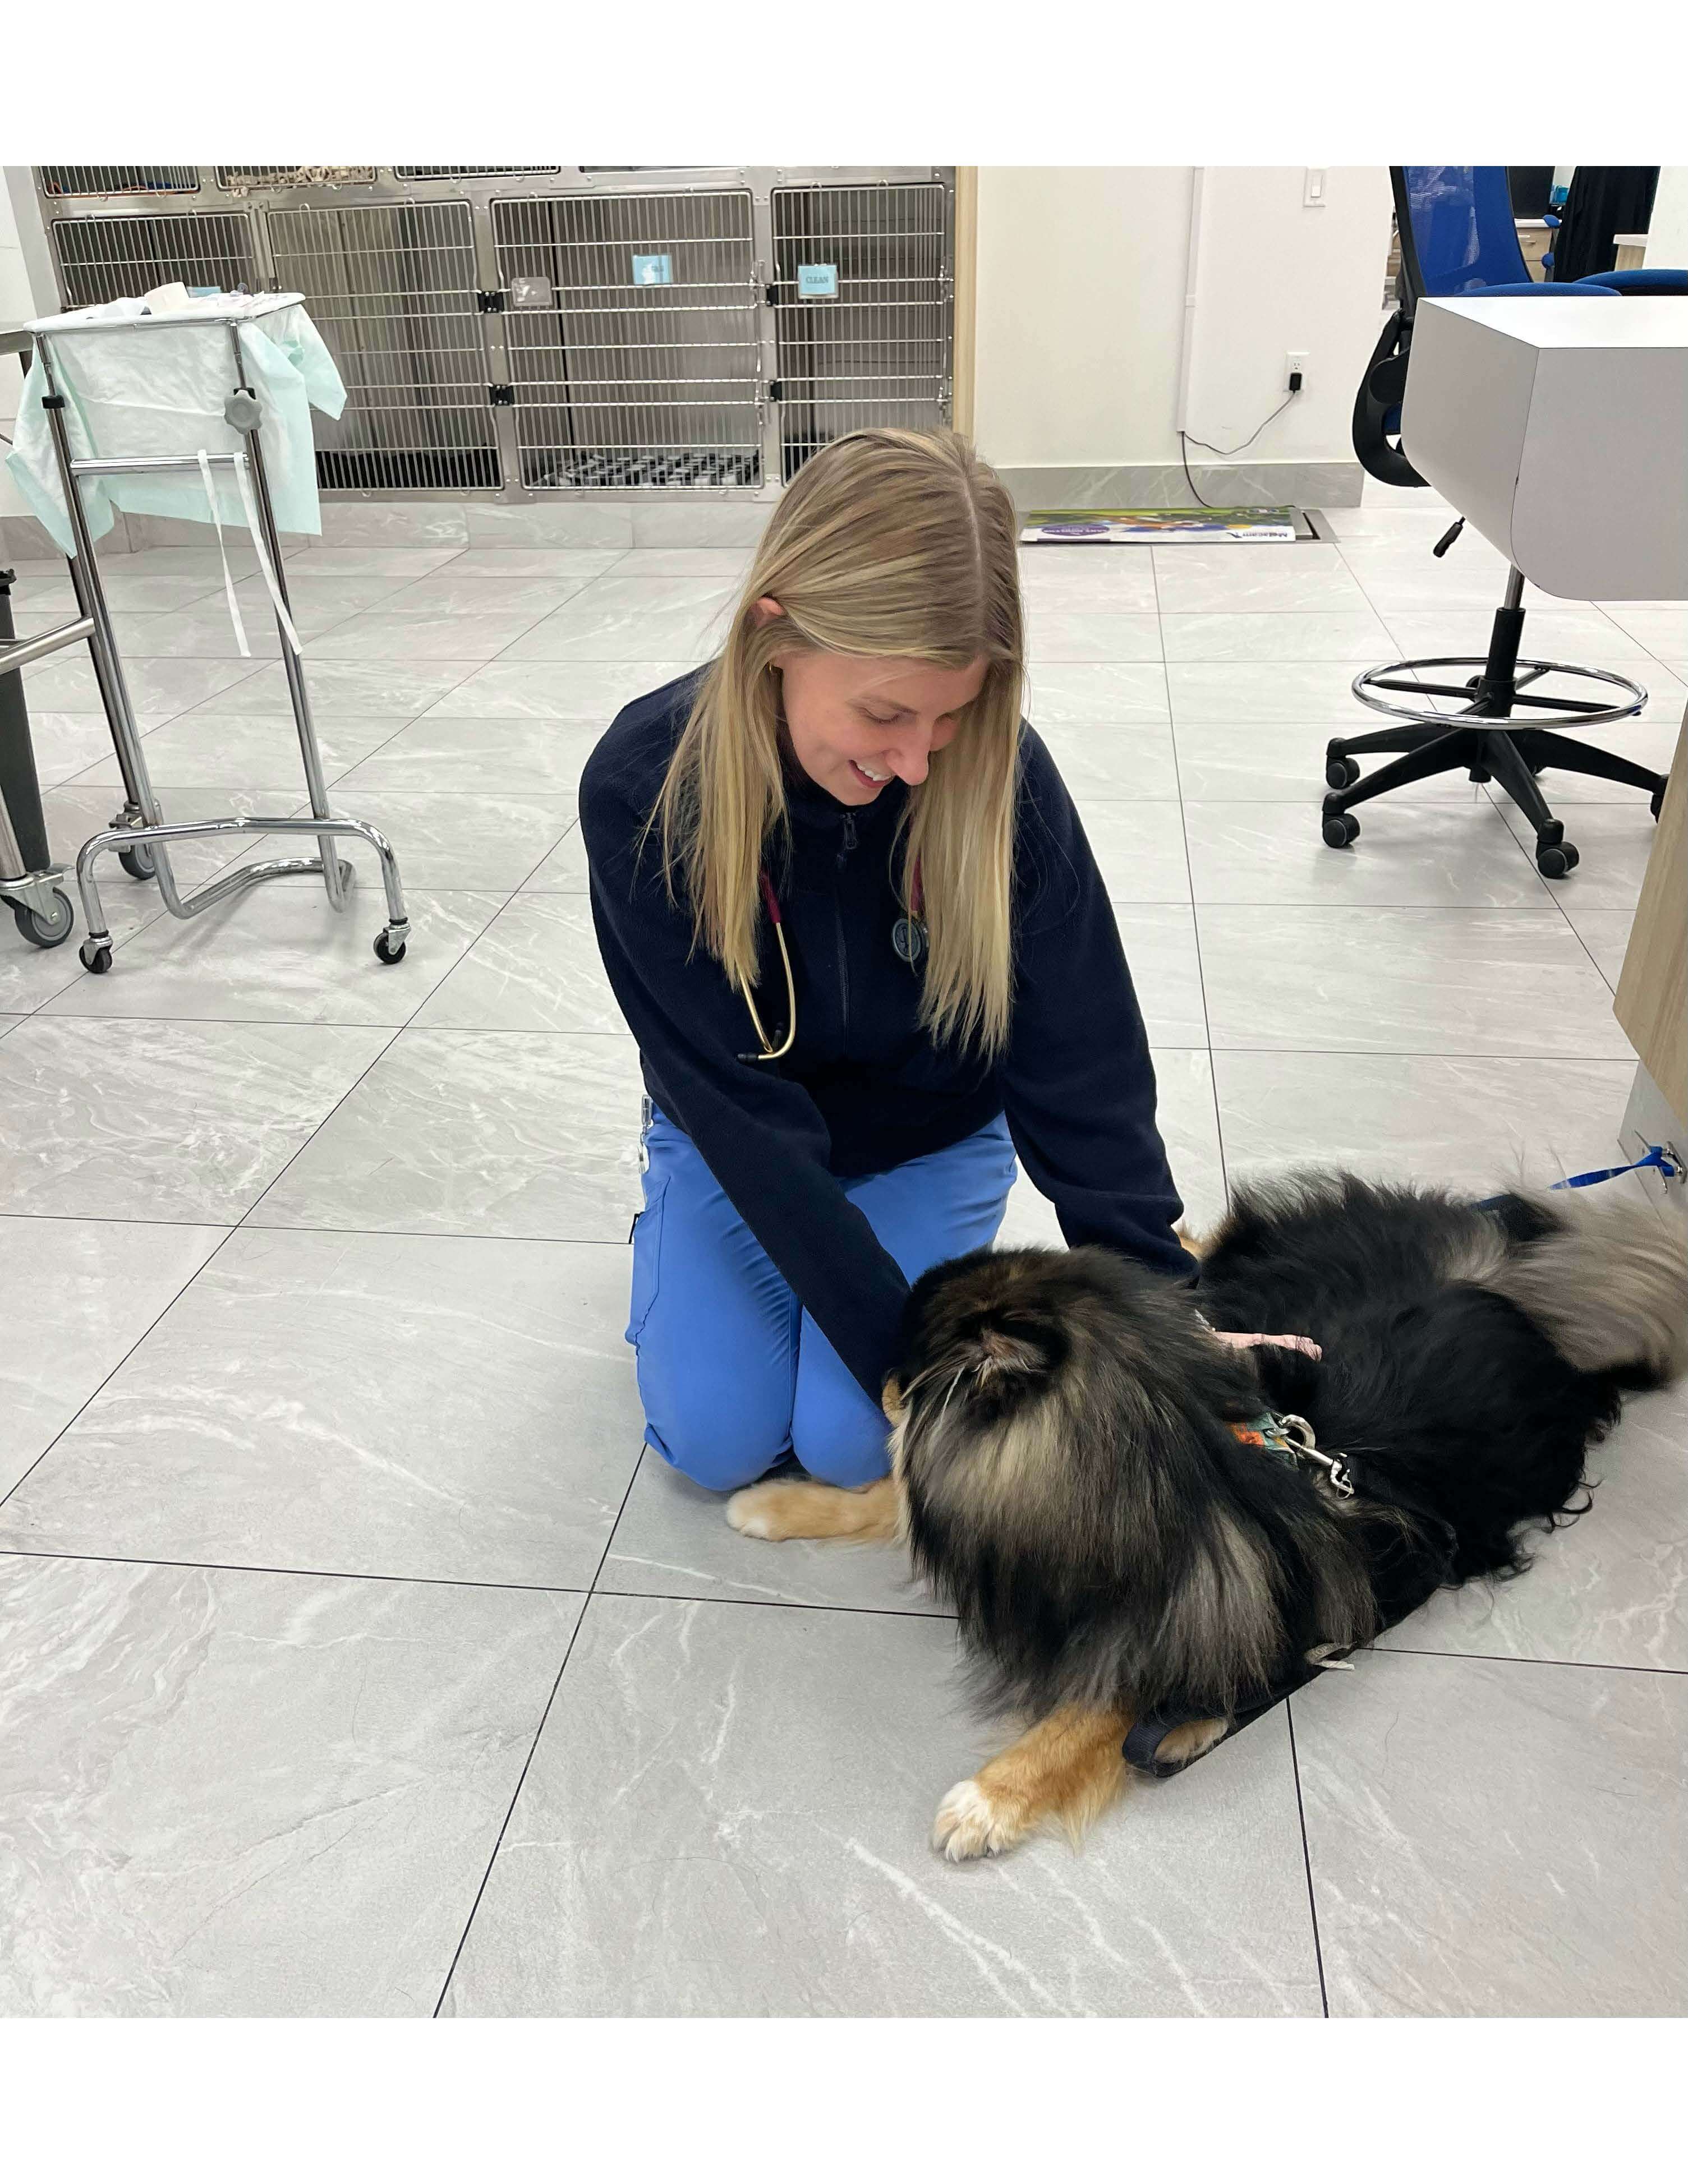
point(864, 1087)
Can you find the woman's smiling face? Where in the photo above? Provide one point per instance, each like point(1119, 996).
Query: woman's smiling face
point(855, 724)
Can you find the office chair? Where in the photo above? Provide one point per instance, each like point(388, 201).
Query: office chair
point(1457, 237)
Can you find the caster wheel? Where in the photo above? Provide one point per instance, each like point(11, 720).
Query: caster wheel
point(388, 950)
point(96, 956)
point(1655, 801)
point(1341, 828)
point(1556, 859)
point(1341, 772)
point(137, 863)
point(50, 931)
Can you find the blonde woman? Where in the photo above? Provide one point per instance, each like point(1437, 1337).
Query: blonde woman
point(851, 917)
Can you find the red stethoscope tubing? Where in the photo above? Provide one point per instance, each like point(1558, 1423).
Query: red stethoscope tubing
point(771, 904)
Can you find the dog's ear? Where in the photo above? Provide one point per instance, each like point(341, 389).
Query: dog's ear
point(891, 1399)
point(1000, 1353)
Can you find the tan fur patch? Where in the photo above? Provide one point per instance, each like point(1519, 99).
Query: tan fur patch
point(805, 1509)
point(1066, 1770)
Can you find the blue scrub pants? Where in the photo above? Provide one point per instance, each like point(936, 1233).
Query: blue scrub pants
point(732, 1372)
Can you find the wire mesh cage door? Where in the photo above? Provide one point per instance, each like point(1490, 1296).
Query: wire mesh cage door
point(631, 326)
point(102, 256)
point(861, 297)
point(393, 292)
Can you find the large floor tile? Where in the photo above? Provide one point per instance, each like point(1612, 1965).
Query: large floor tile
point(1254, 580)
point(1604, 932)
point(536, 969)
point(1112, 761)
point(407, 562)
point(1161, 954)
point(1417, 856)
point(1057, 633)
point(245, 750)
point(1358, 979)
point(473, 756)
point(398, 688)
point(1188, 1122)
point(1139, 849)
point(416, 1407)
point(86, 1291)
point(649, 618)
point(65, 744)
point(1663, 630)
point(1268, 690)
point(1117, 582)
point(1357, 637)
point(280, 953)
point(1085, 693)
point(164, 687)
point(727, 1815)
point(1583, 635)
point(723, 563)
point(1273, 762)
point(674, 1540)
point(565, 871)
point(163, 1122)
point(230, 1794)
point(444, 838)
point(592, 691)
point(1496, 1839)
point(1464, 1122)
point(484, 1133)
point(1614, 843)
point(1613, 1588)
point(456, 636)
point(457, 591)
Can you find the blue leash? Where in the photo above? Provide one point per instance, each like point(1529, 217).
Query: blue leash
point(1655, 1156)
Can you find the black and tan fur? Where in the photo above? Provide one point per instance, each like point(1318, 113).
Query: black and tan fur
point(1066, 1476)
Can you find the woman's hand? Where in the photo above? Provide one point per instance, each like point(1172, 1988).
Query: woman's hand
point(1301, 1342)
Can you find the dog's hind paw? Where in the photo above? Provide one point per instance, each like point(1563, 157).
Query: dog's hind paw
point(754, 1510)
point(972, 1824)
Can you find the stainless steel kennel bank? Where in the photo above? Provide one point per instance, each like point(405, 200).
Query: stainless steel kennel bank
point(524, 333)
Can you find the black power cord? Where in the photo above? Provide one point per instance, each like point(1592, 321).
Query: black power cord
point(1186, 442)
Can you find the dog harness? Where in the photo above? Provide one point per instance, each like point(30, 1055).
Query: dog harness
point(1287, 1436)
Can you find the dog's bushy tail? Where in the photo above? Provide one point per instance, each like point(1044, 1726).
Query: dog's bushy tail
point(1606, 1283)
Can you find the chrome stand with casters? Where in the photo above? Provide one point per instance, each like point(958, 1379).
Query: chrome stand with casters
point(140, 835)
point(1486, 737)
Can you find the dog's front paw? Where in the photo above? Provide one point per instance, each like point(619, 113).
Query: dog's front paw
point(973, 1824)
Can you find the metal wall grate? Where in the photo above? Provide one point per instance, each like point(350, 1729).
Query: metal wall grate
point(119, 181)
point(108, 255)
point(877, 354)
point(447, 174)
point(242, 179)
point(392, 290)
point(633, 374)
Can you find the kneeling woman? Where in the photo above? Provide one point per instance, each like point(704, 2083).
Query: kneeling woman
point(848, 912)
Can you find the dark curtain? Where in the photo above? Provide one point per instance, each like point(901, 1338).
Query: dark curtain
point(1602, 202)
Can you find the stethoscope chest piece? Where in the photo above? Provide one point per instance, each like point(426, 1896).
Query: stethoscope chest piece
point(908, 937)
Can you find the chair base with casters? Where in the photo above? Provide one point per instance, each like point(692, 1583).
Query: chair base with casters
point(1486, 738)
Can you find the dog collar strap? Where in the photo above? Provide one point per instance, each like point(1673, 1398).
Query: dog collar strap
point(1289, 1437)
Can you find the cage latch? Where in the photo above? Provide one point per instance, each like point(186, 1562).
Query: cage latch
point(501, 397)
point(771, 295)
point(775, 390)
point(489, 299)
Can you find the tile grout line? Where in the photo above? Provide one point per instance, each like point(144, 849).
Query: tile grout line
point(1306, 1856)
point(532, 1749)
point(1194, 917)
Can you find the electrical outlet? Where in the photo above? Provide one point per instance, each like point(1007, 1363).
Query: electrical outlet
point(1312, 192)
point(1296, 360)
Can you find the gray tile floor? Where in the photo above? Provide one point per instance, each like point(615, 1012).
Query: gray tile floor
point(356, 1661)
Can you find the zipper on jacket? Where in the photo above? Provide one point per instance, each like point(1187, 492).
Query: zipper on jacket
point(849, 843)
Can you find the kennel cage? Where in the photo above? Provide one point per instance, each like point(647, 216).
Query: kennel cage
point(524, 331)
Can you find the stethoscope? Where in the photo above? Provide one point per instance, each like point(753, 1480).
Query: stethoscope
point(908, 937)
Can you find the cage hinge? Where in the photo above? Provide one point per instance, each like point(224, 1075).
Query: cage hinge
point(771, 294)
point(501, 397)
point(775, 390)
point(489, 299)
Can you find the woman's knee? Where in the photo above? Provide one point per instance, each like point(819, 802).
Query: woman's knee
point(844, 1447)
point(719, 1446)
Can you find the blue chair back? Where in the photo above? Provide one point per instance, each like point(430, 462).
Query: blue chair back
point(1457, 230)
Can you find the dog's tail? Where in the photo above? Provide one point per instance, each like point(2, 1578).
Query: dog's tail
point(1607, 1284)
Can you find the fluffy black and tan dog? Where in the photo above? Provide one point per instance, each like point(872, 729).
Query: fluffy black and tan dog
point(1073, 1469)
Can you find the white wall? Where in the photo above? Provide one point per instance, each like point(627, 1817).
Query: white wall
point(1081, 294)
point(1668, 229)
point(15, 303)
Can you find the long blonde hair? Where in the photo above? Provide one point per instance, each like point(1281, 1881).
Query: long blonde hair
point(888, 544)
